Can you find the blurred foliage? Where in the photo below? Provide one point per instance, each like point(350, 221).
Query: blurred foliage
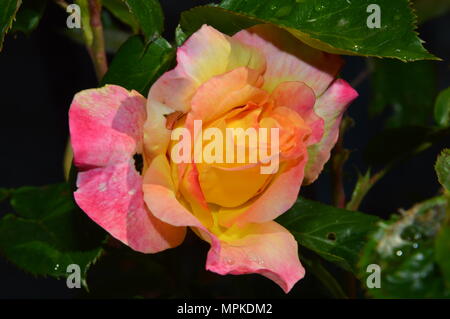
point(29, 15)
point(47, 232)
point(443, 169)
point(408, 89)
point(442, 109)
point(398, 144)
point(86, 27)
point(404, 248)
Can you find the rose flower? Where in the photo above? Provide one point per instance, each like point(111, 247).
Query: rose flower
point(260, 78)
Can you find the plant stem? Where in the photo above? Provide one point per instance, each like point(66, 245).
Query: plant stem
point(97, 49)
point(338, 158)
point(63, 4)
point(98, 56)
point(362, 76)
point(363, 186)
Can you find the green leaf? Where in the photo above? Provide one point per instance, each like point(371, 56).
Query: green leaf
point(398, 144)
point(335, 26)
point(48, 232)
point(404, 248)
point(150, 16)
point(136, 66)
point(409, 90)
point(335, 234)
point(443, 168)
point(8, 10)
point(122, 12)
point(29, 15)
point(442, 108)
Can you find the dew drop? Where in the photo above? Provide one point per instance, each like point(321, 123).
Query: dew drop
point(415, 245)
point(319, 7)
point(229, 261)
point(399, 253)
point(56, 267)
point(257, 260)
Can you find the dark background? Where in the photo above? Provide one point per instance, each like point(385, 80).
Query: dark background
point(42, 72)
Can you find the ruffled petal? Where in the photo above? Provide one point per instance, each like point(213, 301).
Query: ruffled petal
point(300, 98)
point(330, 106)
point(279, 196)
point(112, 197)
point(288, 59)
point(205, 54)
point(267, 249)
point(224, 92)
point(106, 131)
point(106, 126)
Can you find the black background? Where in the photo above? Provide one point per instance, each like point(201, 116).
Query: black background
point(40, 74)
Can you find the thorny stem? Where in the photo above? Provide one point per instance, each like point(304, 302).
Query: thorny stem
point(98, 57)
point(63, 4)
point(338, 158)
point(97, 49)
point(364, 188)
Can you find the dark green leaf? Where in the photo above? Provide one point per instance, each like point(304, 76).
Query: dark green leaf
point(442, 108)
point(221, 19)
point(150, 16)
point(442, 247)
point(137, 66)
point(335, 26)
point(48, 232)
point(29, 15)
point(8, 10)
point(404, 249)
point(122, 12)
point(398, 144)
point(4, 194)
point(443, 168)
point(335, 234)
point(409, 90)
